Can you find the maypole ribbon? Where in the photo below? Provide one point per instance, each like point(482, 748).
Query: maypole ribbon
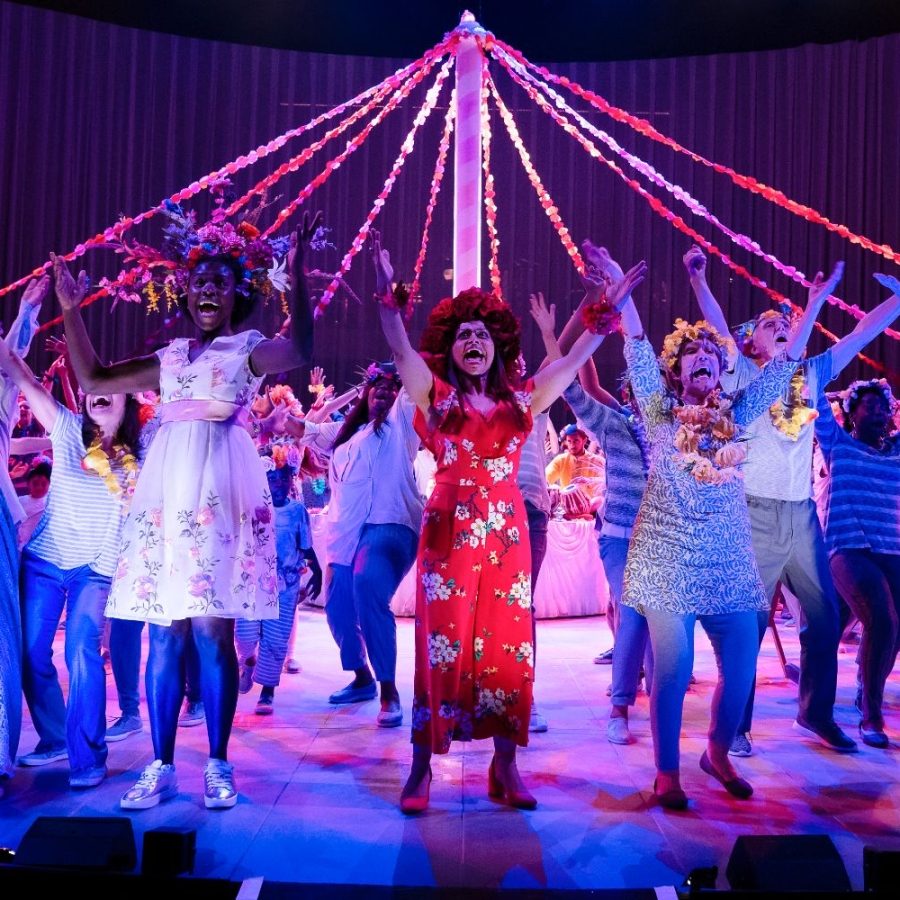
point(546, 201)
point(114, 232)
point(517, 72)
point(440, 167)
point(490, 204)
point(660, 208)
point(751, 184)
point(405, 149)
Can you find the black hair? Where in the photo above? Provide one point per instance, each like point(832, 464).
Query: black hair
point(42, 468)
point(128, 433)
point(244, 304)
point(358, 416)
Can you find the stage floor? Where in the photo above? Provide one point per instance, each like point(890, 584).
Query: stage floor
point(319, 784)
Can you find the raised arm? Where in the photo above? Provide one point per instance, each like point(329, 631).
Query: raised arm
point(414, 373)
point(695, 263)
point(545, 318)
point(869, 327)
point(129, 376)
point(819, 291)
point(39, 398)
point(550, 382)
point(280, 355)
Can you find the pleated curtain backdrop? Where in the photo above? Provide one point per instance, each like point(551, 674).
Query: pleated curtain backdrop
point(100, 120)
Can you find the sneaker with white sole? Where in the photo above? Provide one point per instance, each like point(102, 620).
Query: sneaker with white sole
point(537, 724)
point(220, 792)
point(124, 727)
point(157, 783)
point(617, 731)
point(829, 734)
point(392, 717)
point(292, 666)
point(741, 746)
point(87, 778)
point(245, 681)
point(43, 757)
point(192, 714)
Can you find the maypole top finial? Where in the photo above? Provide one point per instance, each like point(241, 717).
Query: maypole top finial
point(468, 25)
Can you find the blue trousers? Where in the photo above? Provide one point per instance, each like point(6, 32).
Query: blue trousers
point(632, 646)
point(734, 641)
point(79, 724)
point(358, 598)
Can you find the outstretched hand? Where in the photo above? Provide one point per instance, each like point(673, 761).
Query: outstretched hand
point(621, 289)
point(544, 316)
point(821, 289)
point(888, 281)
point(69, 291)
point(384, 271)
point(301, 236)
point(600, 260)
point(36, 291)
point(695, 262)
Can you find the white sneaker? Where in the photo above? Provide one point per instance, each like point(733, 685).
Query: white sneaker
point(537, 723)
point(157, 783)
point(220, 792)
point(617, 731)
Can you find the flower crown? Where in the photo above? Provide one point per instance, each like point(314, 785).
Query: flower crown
point(744, 332)
point(386, 370)
point(165, 272)
point(279, 455)
point(284, 393)
point(851, 395)
point(684, 333)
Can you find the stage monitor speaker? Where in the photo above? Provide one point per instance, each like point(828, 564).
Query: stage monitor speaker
point(881, 870)
point(803, 862)
point(79, 842)
point(169, 851)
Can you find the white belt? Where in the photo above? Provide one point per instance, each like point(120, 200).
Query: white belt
point(616, 531)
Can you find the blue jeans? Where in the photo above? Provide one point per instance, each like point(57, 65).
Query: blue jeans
point(734, 641)
point(80, 724)
point(788, 545)
point(537, 540)
point(358, 598)
point(631, 636)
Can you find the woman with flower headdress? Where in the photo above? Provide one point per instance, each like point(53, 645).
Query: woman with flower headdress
point(198, 549)
point(474, 653)
point(68, 564)
point(787, 536)
point(690, 555)
point(862, 531)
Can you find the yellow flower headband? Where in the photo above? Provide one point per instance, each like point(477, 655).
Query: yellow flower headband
point(684, 333)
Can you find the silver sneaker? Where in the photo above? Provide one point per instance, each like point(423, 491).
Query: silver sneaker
point(220, 792)
point(157, 783)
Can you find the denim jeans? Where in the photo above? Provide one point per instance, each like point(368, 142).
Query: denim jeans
point(734, 642)
point(631, 636)
point(80, 724)
point(788, 544)
point(358, 598)
point(870, 583)
point(538, 521)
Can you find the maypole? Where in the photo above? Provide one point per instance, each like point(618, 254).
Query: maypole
point(467, 189)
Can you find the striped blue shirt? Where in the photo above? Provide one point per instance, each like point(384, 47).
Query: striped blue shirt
point(862, 497)
point(82, 524)
point(626, 476)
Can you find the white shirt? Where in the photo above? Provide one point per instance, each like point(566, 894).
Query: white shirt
point(372, 479)
point(33, 508)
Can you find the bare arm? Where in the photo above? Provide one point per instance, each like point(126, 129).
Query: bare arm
point(550, 382)
point(545, 318)
point(323, 413)
point(869, 327)
point(129, 376)
point(22, 445)
point(39, 398)
point(819, 291)
point(590, 381)
point(695, 263)
point(414, 373)
point(279, 355)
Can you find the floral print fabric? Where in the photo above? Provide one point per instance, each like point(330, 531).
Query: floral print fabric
point(474, 652)
point(199, 540)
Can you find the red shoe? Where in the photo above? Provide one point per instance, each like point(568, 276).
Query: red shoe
point(412, 804)
point(498, 791)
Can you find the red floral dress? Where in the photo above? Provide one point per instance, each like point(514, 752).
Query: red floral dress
point(474, 651)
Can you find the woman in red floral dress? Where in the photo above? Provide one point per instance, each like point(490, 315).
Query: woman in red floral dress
point(474, 654)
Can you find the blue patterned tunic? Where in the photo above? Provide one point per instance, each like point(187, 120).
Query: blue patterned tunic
point(691, 551)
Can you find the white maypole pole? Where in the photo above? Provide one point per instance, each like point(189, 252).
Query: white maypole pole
point(467, 188)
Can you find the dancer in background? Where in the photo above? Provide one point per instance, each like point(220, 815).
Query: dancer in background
point(474, 652)
point(15, 343)
point(787, 536)
point(690, 556)
point(198, 549)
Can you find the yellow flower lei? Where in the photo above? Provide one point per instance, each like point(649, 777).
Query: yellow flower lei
point(705, 441)
point(790, 417)
point(119, 474)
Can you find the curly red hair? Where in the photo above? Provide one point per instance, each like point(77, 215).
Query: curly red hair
point(470, 306)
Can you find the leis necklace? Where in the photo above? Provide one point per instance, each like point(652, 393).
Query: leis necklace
point(119, 470)
point(706, 440)
point(790, 414)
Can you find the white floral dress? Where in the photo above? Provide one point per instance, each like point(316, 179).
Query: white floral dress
point(199, 539)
